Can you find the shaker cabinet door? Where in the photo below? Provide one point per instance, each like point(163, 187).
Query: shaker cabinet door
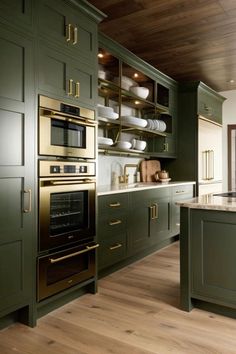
point(17, 12)
point(17, 229)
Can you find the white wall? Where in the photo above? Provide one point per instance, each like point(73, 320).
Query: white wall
point(229, 117)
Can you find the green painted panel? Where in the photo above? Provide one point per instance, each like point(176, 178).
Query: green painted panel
point(11, 138)
point(17, 12)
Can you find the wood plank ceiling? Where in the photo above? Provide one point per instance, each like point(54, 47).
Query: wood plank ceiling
point(185, 39)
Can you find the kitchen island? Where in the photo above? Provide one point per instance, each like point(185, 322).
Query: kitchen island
point(208, 254)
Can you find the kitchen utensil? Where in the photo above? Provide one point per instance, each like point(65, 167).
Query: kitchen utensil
point(163, 174)
point(148, 169)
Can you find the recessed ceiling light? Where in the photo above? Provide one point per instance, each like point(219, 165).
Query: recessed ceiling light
point(100, 55)
point(231, 81)
point(135, 74)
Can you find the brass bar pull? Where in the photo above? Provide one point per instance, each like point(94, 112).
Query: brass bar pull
point(75, 36)
point(114, 205)
point(77, 89)
point(87, 249)
point(70, 90)
point(61, 183)
point(178, 192)
point(68, 32)
point(118, 245)
point(29, 192)
point(152, 213)
point(155, 206)
point(115, 222)
point(165, 147)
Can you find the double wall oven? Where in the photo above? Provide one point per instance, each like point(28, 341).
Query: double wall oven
point(67, 189)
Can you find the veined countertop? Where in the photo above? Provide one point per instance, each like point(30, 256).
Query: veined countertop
point(210, 202)
point(133, 187)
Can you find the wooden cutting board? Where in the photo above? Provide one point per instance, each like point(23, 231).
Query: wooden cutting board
point(148, 169)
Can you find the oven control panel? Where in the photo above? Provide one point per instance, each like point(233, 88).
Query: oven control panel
point(65, 168)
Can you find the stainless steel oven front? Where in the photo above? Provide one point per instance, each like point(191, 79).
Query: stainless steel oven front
point(66, 203)
point(66, 130)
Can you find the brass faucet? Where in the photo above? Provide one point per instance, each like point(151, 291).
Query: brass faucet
point(125, 177)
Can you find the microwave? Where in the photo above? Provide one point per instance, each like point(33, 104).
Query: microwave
point(66, 130)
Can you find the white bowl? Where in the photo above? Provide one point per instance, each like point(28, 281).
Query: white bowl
point(123, 145)
point(106, 112)
point(139, 122)
point(139, 144)
point(126, 82)
point(139, 91)
point(104, 141)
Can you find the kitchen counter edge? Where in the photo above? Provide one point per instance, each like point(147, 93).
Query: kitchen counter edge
point(210, 202)
point(134, 187)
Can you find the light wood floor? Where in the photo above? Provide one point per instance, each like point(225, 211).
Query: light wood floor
point(136, 311)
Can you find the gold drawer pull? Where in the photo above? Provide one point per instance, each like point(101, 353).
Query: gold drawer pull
point(29, 192)
point(115, 222)
point(68, 32)
point(152, 212)
point(75, 36)
point(114, 205)
point(118, 245)
point(77, 89)
point(87, 249)
point(70, 87)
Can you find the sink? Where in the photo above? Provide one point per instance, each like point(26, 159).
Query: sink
point(226, 194)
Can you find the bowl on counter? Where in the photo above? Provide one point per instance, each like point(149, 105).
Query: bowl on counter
point(138, 144)
point(139, 91)
point(126, 145)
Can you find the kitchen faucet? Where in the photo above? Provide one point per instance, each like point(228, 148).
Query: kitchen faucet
point(125, 177)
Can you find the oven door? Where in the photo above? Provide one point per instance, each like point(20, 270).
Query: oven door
point(61, 270)
point(66, 212)
point(67, 137)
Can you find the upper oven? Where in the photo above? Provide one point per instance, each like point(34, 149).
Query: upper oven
point(66, 203)
point(66, 130)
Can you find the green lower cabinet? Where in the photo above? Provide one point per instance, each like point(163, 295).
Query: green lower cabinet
point(112, 250)
point(213, 249)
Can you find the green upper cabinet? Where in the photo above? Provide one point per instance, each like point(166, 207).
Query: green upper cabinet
point(59, 75)
point(68, 27)
point(17, 13)
point(67, 50)
point(209, 104)
point(17, 179)
point(135, 89)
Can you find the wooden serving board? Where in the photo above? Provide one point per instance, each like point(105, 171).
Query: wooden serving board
point(148, 169)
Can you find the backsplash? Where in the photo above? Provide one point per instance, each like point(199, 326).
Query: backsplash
point(109, 164)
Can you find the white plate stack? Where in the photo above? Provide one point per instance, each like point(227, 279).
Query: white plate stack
point(107, 112)
point(156, 124)
point(104, 142)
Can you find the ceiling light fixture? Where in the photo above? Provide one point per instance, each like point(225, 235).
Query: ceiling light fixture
point(100, 55)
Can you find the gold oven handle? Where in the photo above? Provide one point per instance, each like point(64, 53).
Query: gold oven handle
point(87, 249)
point(60, 183)
point(28, 210)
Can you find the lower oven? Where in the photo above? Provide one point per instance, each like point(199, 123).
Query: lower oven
point(66, 203)
point(61, 270)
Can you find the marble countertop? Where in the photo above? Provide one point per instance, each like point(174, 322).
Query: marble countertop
point(123, 188)
point(210, 202)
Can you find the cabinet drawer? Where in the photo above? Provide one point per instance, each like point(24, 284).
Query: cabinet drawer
point(183, 190)
point(112, 202)
point(112, 251)
point(111, 224)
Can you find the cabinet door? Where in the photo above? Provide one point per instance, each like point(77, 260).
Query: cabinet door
point(68, 28)
point(160, 220)
point(18, 12)
point(210, 106)
point(213, 246)
point(17, 229)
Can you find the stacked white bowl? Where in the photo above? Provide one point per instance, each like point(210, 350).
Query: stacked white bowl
point(107, 112)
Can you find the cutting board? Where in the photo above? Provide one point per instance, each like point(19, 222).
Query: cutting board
point(148, 169)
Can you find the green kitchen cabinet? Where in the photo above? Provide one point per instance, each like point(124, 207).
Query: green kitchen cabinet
point(17, 179)
point(112, 229)
point(72, 28)
point(207, 260)
point(149, 218)
point(17, 13)
point(61, 76)
point(181, 192)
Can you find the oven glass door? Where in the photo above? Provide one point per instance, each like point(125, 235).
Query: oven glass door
point(61, 270)
point(61, 136)
point(67, 212)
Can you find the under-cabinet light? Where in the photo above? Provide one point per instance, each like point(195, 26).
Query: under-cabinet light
point(100, 55)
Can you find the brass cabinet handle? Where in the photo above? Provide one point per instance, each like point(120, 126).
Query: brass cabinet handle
point(152, 212)
point(177, 224)
point(180, 191)
point(114, 205)
point(118, 245)
point(155, 206)
point(75, 36)
point(70, 90)
point(165, 147)
point(115, 222)
point(29, 192)
point(87, 249)
point(77, 89)
point(68, 32)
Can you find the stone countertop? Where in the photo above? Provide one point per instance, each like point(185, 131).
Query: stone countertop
point(210, 202)
point(123, 188)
